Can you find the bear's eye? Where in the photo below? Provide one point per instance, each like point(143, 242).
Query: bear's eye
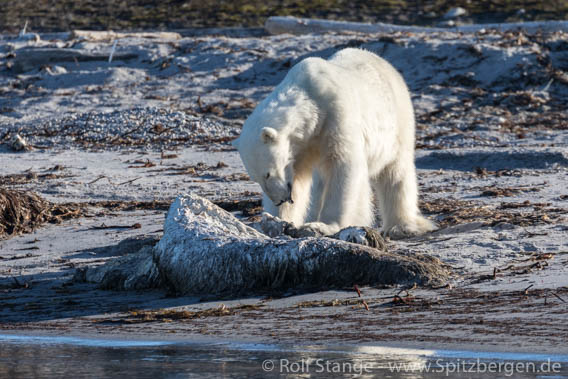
point(267, 175)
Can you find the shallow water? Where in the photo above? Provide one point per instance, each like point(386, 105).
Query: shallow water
point(24, 356)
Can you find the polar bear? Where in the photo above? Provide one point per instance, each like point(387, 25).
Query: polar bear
point(329, 135)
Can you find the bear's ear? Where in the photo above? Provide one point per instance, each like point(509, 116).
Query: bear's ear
point(235, 143)
point(268, 135)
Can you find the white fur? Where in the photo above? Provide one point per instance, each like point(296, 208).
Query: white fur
point(337, 130)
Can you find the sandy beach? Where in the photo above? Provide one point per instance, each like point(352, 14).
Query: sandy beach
point(116, 128)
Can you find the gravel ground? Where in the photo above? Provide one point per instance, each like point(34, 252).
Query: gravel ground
point(152, 128)
point(157, 120)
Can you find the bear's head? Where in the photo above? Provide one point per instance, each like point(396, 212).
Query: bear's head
point(273, 136)
point(268, 160)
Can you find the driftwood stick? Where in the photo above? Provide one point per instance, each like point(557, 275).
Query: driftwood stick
point(96, 36)
point(30, 58)
point(293, 25)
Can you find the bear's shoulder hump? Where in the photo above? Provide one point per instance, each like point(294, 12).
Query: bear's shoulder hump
point(312, 67)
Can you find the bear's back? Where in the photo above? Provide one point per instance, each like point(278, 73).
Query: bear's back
point(367, 64)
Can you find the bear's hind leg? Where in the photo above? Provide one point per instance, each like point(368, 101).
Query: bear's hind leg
point(397, 192)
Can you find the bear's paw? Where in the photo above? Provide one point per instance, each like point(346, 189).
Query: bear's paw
point(419, 225)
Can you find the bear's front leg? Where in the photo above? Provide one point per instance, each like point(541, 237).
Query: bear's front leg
point(295, 211)
point(346, 198)
point(268, 206)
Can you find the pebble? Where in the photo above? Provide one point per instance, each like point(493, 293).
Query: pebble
point(455, 13)
point(17, 143)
